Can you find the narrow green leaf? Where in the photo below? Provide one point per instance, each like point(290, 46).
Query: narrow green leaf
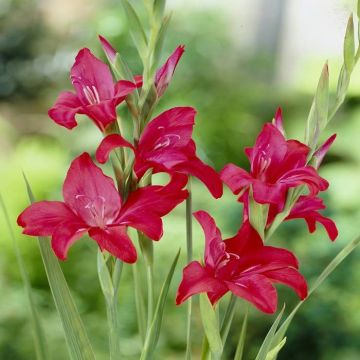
point(104, 277)
point(318, 115)
point(339, 258)
point(342, 85)
point(272, 354)
point(211, 326)
point(153, 334)
point(38, 332)
point(159, 7)
point(349, 45)
point(159, 43)
point(136, 29)
point(240, 346)
point(76, 337)
point(258, 214)
point(267, 343)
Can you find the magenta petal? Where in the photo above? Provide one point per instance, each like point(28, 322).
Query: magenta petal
point(102, 114)
point(246, 241)
point(122, 89)
point(204, 173)
point(268, 152)
point(43, 217)
point(166, 72)
point(144, 207)
point(214, 245)
point(116, 241)
point(235, 178)
point(328, 224)
point(305, 176)
point(291, 278)
point(109, 143)
point(90, 193)
point(65, 235)
point(256, 289)
point(196, 280)
point(90, 74)
point(265, 193)
point(109, 51)
point(65, 108)
point(322, 151)
point(278, 122)
point(171, 129)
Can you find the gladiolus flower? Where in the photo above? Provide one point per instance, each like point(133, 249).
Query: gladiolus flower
point(96, 95)
point(242, 265)
point(277, 164)
point(163, 75)
point(166, 146)
point(93, 205)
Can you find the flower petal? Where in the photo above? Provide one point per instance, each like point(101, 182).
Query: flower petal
point(144, 207)
point(65, 235)
point(43, 217)
point(90, 193)
point(278, 122)
point(246, 241)
point(109, 143)
point(102, 114)
point(166, 72)
point(204, 173)
point(122, 89)
point(109, 51)
point(196, 280)
point(256, 289)
point(322, 151)
point(88, 72)
point(235, 178)
point(65, 108)
point(291, 278)
point(214, 245)
point(116, 241)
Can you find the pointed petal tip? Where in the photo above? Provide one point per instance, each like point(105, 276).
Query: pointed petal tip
point(109, 50)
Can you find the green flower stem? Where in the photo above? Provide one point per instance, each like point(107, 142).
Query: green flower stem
point(150, 284)
point(205, 349)
point(189, 248)
point(114, 327)
point(228, 318)
point(139, 302)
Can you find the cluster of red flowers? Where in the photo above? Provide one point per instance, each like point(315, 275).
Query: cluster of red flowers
point(92, 203)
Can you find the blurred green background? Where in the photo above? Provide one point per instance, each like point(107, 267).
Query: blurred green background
point(243, 59)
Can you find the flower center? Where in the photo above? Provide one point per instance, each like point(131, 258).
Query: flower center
point(92, 209)
point(91, 94)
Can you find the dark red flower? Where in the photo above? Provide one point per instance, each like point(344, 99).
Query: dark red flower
point(242, 265)
point(96, 95)
point(277, 164)
point(163, 75)
point(166, 146)
point(93, 205)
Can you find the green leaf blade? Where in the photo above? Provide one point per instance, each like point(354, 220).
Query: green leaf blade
point(211, 326)
point(78, 343)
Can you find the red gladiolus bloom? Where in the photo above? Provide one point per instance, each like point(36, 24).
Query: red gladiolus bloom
point(93, 205)
point(163, 75)
point(166, 146)
point(96, 95)
point(242, 265)
point(277, 164)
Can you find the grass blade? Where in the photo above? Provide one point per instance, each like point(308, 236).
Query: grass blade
point(38, 333)
point(76, 337)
